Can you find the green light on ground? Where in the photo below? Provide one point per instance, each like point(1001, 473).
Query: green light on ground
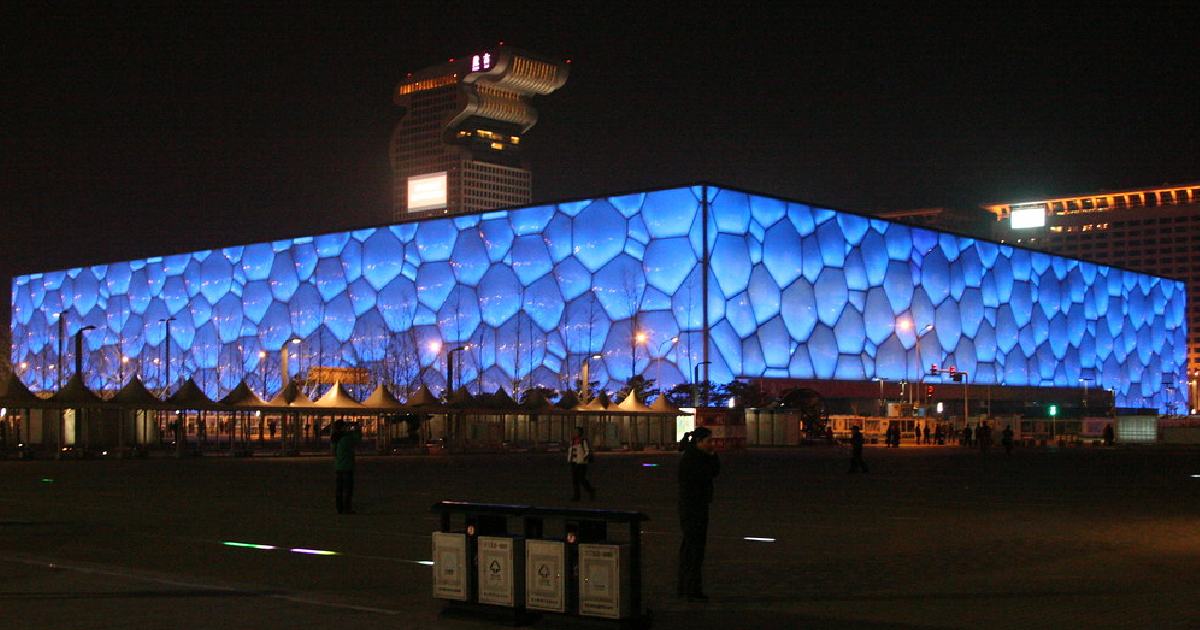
point(47, 480)
point(230, 543)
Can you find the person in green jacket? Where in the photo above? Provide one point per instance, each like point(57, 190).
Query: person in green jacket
point(346, 436)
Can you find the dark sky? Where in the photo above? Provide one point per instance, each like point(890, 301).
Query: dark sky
point(140, 131)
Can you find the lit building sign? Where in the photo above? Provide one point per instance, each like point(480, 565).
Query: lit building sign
point(427, 192)
point(1031, 216)
point(481, 62)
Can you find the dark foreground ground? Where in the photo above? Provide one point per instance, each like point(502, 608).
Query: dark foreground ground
point(932, 537)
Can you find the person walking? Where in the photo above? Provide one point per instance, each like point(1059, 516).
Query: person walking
point(966, 439)
point(856, 450)
point(983, 435)
point(698, 466)
point(1006, 438)
point(345, 437)
point(1109, 436)
point(579, 456)
point(927, 434)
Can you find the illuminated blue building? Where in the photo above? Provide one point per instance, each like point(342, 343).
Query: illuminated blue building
point(755, 286)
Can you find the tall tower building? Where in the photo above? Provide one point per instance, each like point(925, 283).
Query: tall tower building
point(457, 148)
point(1153, 230)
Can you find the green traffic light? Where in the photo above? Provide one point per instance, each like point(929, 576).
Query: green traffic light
point(1053, 410)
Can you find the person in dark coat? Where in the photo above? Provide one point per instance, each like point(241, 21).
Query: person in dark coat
point(967, 436)
point(345, 437)
point(1006, 438)
point(856, 446)
point(1109, 436)
point(698, 467)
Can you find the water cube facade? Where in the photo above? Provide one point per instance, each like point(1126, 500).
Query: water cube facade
point(770, 288)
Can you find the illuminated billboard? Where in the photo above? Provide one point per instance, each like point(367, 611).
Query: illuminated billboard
point(1031, 216)
point(427, 192)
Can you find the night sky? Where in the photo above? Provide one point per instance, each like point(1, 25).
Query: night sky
point(138, 132)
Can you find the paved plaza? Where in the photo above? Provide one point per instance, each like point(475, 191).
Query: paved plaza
point(931, 537)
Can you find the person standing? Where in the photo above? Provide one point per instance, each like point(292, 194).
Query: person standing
point(856, 449)
point(927, 434)
point(345, 438)
point(579, 456)
point(1006, 438)
point(698, 467)
point(966, 440)
point(1109, 436)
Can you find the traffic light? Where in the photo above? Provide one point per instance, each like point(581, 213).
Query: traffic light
point(929, 391)
point(1052, 410)
point(957, 376)
point(953, 372)
point(933, 369)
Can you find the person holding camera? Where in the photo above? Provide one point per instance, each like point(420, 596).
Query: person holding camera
point(345, 437)
point(579, 456)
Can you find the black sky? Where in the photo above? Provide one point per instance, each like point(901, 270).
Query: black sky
point(139, 131)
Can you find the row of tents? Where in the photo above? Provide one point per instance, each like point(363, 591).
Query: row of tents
point(135, 395)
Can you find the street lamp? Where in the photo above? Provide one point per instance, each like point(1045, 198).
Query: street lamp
point(658, 373)
point(585, 384)
point(284, 376)
point(696, 384)
point(262, 365)
point(167, 346)
point(62, 335)
point(881, 404)
point(121, 369)
point(638, 339)
point(920, 365)
point(450, 368)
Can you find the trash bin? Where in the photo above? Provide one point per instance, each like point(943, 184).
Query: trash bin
point(450, 564)
point(545, 566)
point(604, 581)
point(501, 570)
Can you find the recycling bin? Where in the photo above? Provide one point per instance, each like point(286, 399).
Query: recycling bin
point(450, 563)
point(545, 566)
point(501, 570)
point(604, 581)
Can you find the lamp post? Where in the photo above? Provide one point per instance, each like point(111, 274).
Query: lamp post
point(658, 373)
point(696, 384)
point(167, 348)
point(1085, 395)
point(920, 365)
point(262, 367)
point(450, 368)
point(638, 339)
point(881, 405)
point(62, 335)
point(284, 377)
point(121, 369)
point(585, 384)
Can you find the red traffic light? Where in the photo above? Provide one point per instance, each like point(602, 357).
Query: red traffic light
point(929, 391)
point(933, 369)
point(953, 369)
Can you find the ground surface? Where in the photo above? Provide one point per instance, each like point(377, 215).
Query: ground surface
point(932, 537)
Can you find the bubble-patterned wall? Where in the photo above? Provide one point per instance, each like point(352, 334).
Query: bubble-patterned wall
point(789, 290)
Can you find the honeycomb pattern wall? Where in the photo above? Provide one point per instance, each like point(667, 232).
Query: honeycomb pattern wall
point(530, 294)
